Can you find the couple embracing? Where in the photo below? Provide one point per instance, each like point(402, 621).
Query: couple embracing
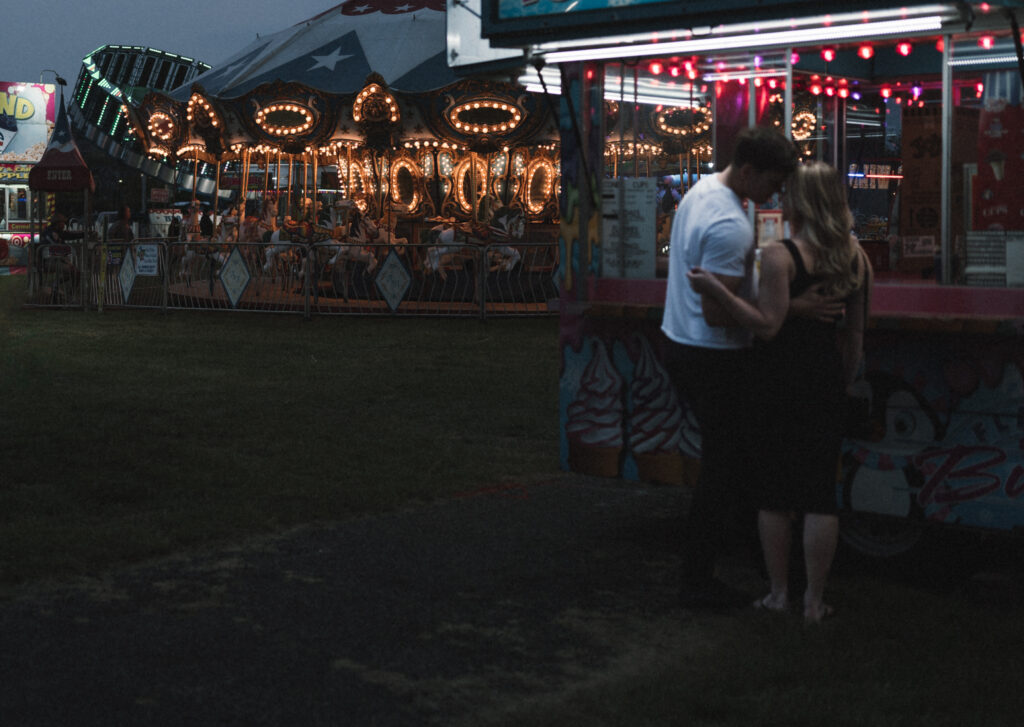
point(765, 371)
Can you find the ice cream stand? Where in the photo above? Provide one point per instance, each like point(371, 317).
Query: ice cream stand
point(921, 106)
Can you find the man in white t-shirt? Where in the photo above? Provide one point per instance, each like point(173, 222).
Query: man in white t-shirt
point(709, 357)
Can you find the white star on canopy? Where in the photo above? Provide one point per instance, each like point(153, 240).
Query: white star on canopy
point(392, 44)
point(330, 60)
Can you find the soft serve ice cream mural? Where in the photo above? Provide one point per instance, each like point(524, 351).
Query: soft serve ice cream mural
point(620, 413)
point(946, 444)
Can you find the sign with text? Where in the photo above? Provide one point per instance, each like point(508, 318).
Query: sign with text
point(629, 232)
point(147, 259)
point(28, 113)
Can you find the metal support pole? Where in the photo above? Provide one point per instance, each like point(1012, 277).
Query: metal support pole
point(752, 121)
point(787, 97)
point(945, 235)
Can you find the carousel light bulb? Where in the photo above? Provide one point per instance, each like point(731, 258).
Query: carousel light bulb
point(904, 48)
point(866, 51)
point(986, 42)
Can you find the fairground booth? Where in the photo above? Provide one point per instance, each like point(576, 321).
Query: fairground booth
point(919, 105)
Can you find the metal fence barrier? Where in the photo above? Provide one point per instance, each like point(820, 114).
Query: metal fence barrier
point(325, 278)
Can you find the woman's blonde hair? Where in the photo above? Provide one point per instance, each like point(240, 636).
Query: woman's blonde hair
point(815, 205)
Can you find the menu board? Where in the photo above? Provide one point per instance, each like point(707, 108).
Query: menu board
point(629, 232)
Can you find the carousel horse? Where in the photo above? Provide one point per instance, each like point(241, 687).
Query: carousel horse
point(505, 225)
point(227, 228)
point(190, 233)
point(224, 234)
point(449, 253)
point(357, 249)
point(386, 236)
point(278, 239)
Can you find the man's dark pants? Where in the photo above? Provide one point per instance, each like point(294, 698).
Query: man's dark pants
point(720, 386)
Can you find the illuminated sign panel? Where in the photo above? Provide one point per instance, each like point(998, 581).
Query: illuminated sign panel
point(519, 22)
point(27, 116)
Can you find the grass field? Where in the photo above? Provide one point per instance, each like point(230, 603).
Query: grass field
point(133, 434)
point(136, 434)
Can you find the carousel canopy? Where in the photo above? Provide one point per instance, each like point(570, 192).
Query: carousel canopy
point(61, 168)
point(334, 52)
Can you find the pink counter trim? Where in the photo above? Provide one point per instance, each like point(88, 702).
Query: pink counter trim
point(888, 299)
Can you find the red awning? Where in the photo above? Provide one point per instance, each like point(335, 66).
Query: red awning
point(61, 168)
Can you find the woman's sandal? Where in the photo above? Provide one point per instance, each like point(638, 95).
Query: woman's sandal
point(768, 605)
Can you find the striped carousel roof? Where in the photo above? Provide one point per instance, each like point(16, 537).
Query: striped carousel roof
point(335, 51)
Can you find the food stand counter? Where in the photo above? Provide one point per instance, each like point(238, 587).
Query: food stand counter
point(944, 371)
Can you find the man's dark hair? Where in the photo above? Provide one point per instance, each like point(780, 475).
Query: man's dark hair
point(765, 149)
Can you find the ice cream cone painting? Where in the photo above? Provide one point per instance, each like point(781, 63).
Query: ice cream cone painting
point(594, 423)
point(655, 421)
point(997, 161)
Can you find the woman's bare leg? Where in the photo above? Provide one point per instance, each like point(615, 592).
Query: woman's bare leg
point(821, 533)
point(776, 534)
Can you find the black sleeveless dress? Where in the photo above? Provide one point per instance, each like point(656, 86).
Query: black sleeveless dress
point(801, 378)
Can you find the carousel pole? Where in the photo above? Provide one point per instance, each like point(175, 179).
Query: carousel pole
point(266, 178)
point(291, 177)
point(195, 179)
point(245, 185)
point(636, 108)
point(472, 186)
point(508, 171)
point(277, 187)
point(216, 196)
point(266, 173)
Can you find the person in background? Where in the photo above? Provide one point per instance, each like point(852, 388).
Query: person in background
point(206, 224)
point(174, 229)
point(668, 197)
point(805, 375)
point(709, 355)
point(120, 230)
point(56, 255)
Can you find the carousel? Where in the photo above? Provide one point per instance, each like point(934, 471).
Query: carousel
point(352, 122)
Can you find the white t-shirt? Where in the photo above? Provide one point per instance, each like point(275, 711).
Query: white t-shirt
point(711, 230)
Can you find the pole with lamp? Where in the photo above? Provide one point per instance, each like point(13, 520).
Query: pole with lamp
point(61, 168)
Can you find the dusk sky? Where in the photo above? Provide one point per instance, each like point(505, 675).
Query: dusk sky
point(207, 30)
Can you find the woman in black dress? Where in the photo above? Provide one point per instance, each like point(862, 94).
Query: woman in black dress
point(806, 366)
